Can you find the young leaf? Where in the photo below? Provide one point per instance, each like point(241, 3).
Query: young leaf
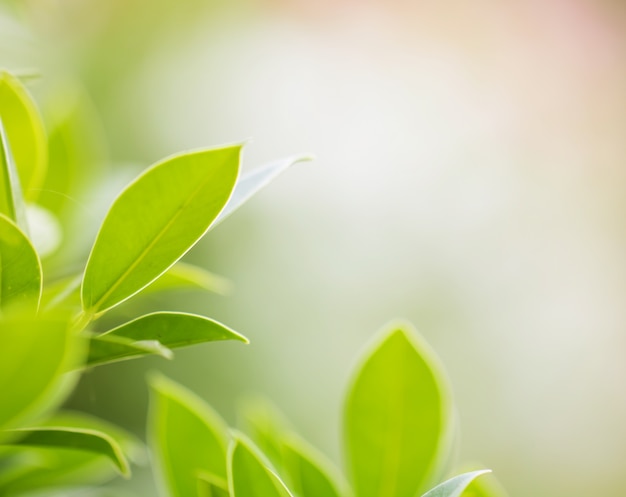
point(11, 202)
point(308, 472)
point(187, 439)
point(396, 418)
point(74, 438)
point(175, 329)
point(249, 475)
point(454, 487)
point(46, 342)
point(155, 221)
point(25, 133)
point(183, 276)
point(19, 266)
point(111, 348)
point(252, 182)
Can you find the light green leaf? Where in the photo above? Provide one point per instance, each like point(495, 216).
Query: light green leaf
point(454, 487)
point(397, 415)
point(11, 201)
point(488, 486)
point(249, 474)
point(183, 276)
point(25, 133)
point(187, 439)
point(175, 329)
point(155, 221)
point(56, 467)
point(267, 427)
point(48, 343)
point(110, 348)
point(82, 439)
point(252, 182)
point(19, 266)
point(308, 472)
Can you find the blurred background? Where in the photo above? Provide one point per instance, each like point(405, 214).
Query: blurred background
point(470, 177)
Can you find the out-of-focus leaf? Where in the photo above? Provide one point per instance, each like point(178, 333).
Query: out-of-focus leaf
point(63, 293)
point(308, 472)
point(76, 146)
point(110, 348)
point(11, 201)
point(155, 221)
point(44, 230)
point(19, 266)
point(249, 475)
point(187, 439)
point(454, 487)
point(397, 418)
point(46, 342)
point(210, 486)
point(182, 276)
point(82, 439)
point(25, 133)
point(250, 183)
point(175, 329)
point(267, 427)
point(52, 468)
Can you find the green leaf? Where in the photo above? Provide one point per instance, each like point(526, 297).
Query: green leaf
point(488, 486)
point(397, 415)
point(175, 329)
point(155, 221)
point(47, 342)
point(184, 276)
point(20, 268)
point(187, 439)
point(82, 439)
point(308, 472)
point(254, 181)
point(249, 474)
point(454, 487)
point(110, 348)
point(11, 201)
point(210, 486)
point(25, 133)
point(50, 468)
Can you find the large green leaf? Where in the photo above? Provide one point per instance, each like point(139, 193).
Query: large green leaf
point(11, 201)
point(20, 268)
point(250, 183)
point(25, 133)
point(175, 329)
point(249, 475)
point(397, 418)
point(35, 354)
point(187, 439)
point(454, 487)
point(155, 221)
point(83, 439)
point(57, 467)
point(110, 348)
